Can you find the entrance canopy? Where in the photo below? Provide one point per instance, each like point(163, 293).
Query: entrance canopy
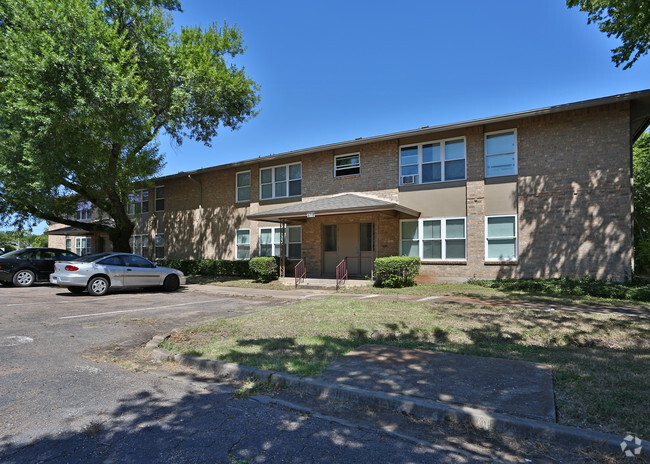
point(68, 231)
point(347, 203)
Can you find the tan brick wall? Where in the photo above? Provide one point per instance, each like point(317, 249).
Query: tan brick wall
point(572, 197)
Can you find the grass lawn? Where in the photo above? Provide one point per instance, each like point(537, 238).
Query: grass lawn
point(600, 362)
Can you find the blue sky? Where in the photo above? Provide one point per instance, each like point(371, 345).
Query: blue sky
point(338, 70)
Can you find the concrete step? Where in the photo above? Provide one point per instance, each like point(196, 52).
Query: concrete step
point(319, 283)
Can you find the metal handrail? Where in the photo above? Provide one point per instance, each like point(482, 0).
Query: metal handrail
point(300, 271)
point(341, 272)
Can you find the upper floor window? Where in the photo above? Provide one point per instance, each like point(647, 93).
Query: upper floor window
point(501, 153)
point(501, 238)
point(439, 161)
point(434, 239)
point(84, 211)
point(347, 165)
point(160, 198)
point(270, 241)
point(281, 181)
point(244, 186)
point(138, 202)
point(140, 244)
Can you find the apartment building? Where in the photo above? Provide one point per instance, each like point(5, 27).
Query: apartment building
point(540, 193)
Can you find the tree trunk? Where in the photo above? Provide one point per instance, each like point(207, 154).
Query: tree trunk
point(120, 239)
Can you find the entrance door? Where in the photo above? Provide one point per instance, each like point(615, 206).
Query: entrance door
point(346, 241)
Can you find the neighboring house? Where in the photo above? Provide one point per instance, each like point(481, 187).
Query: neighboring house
point(540, 193)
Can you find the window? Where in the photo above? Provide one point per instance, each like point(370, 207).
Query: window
point(281, 181)
point(439, 161)
point(243, 244)
point(347, 165)
point(329, 238)
point(501, 153)
point(159, 246)
point(160, 198)
point(68, 244)
point(501, 238)
point(138, 202)
point(434, 239)
point(140, 244)
point(83, 246)
point(113, 261)
point(135, 261)
point(243, 186)
point(366, 236)
point(84, 211)
point(270, 244)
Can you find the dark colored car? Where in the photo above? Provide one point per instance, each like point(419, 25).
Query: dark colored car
point(24, 267)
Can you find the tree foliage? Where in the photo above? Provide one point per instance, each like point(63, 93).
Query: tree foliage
point(641, 172)
point(87, 86)
point(627, 20)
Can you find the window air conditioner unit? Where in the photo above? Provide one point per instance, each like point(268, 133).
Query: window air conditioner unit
point(409, 179)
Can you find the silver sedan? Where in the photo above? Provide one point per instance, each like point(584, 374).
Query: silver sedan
point(100, 272)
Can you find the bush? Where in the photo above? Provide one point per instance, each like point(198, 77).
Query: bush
point(208, 267)
point(636, 289)
point(396, 271)
point(263, 268)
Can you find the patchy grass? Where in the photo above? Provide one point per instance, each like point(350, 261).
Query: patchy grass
point(236, 282)
point(251, 387)
point(600, 362)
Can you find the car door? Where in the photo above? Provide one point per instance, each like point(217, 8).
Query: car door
point(43, 262)
point(114, 268)
point(140, 272)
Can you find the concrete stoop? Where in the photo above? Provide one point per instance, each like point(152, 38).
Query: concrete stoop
point(437, 411)
point(324, 284)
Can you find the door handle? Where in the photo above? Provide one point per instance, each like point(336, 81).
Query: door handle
point(129, 270)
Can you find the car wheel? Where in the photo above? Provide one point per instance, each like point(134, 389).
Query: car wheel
point(76, 290)
point(98, 286)
point(24, 278)
point(171, 283)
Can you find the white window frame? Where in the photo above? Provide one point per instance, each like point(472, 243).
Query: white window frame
point(156, 198)
point(237, 245)
point(516, 237)
point(142, 245)
point(286, 181)
point(156, 247)
point(442, 161)
point(131, 206)
point(276, 246)
point(85, 248)
point(486, 156)
point(238, 187)
point(68, 244)
point(84, 211)
point(443, 238)
point(347, 155)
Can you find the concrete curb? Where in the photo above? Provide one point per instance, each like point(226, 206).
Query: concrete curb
point(426, 409)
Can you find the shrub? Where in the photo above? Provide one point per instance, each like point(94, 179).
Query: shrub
point(263, 268)
point(396, 271)
point(208, 267)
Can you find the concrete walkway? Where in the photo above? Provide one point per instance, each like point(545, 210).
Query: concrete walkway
point(308, 293)
point(497, 385)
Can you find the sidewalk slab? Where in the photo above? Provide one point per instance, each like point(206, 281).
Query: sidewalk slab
point(518, 388)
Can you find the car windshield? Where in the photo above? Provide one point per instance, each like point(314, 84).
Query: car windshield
point(13, 254)
point(91, 258)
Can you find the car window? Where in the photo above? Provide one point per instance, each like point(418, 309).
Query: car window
point(135, 261)
point(45, 254)
point(13, 254)
point(65, 255)
point(91, 258)
point(112, 261)
point(29, 254)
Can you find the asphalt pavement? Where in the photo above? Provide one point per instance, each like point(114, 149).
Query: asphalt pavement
point(63, 400)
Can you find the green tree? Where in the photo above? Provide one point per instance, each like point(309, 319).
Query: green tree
point(87, 86)
point(641, 170)
point(627, 20)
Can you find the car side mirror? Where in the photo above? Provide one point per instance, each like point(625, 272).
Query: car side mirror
point(155, 264)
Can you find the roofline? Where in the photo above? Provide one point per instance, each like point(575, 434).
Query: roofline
point(422, 131)
point(273, 217)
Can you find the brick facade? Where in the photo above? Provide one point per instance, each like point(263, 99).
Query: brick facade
point(572, 198)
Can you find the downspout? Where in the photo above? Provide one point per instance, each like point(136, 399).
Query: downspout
point(200, 225)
